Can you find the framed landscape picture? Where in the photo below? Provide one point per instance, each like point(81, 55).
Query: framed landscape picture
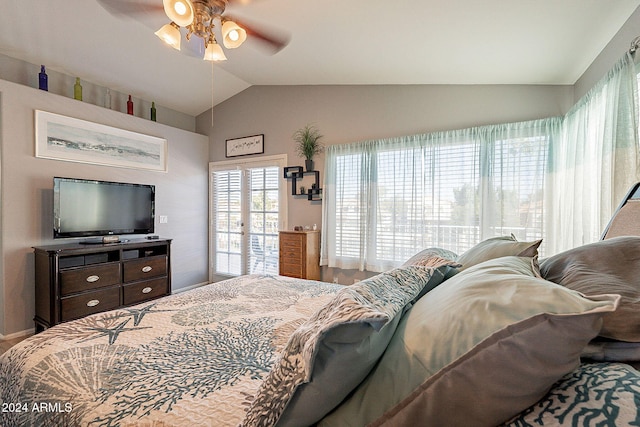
point(74, 140)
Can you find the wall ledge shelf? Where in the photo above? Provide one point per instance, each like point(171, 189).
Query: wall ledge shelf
point(296, 173)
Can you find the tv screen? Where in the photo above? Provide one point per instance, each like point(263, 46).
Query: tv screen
point(83, 208)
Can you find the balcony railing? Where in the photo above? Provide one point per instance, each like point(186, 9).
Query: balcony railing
point(400, 243)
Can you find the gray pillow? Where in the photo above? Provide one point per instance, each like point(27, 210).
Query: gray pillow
point(331, 353)
point(497, 247)
point(609, 266)
point(476, 350)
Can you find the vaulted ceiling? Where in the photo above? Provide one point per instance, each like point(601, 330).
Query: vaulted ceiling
point(338, 42)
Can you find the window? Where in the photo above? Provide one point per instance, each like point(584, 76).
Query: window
point(388, 199)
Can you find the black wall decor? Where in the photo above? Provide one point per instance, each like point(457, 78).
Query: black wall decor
point(295, 174)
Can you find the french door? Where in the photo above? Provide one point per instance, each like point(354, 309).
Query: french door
point(248, 207)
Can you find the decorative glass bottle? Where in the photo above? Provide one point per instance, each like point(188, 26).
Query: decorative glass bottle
point(43, 80)
point(153, 111)
point(130, 106)
point(77, 90)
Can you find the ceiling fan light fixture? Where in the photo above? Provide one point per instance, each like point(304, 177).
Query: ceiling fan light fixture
point(214, 52)
point(179, 11)
point(170, 34)
point(232, 34)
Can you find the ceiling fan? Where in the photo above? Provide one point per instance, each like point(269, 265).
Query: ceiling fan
point(198, 18)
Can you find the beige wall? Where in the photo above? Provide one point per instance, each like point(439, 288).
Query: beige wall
point(24, 73)
point(614, 50)
point(26, 194)
point(348, 114)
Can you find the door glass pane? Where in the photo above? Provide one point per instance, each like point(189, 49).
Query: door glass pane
point(227, 198)
point(271, 223)
point(263, 220)
point(222, 221)
point(271, 200)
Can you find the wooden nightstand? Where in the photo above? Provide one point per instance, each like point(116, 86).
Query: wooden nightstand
point(300, 254)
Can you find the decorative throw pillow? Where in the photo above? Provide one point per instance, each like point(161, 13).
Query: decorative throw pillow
point(331, 353)
point(609, 266)
point(497, 247)
point(476, 350)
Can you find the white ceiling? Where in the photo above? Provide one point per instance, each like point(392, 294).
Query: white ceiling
point(332, 42)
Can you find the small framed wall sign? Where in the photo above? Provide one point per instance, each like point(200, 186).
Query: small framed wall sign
point(245, 146)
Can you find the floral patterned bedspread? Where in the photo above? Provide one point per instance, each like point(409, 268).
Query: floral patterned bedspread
point(192, 359)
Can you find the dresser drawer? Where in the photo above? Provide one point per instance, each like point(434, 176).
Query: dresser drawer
point(86, 278)
point(142, 291)
point(89, 303)
point(145, 268)
point(291, 255)
point(291, 270)
point(292, 241)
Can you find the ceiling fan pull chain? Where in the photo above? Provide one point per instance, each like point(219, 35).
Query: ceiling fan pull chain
point(212, 97)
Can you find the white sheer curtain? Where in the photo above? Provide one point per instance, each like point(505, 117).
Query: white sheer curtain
point(386, 199)
point(559, 179)
point(595, 161)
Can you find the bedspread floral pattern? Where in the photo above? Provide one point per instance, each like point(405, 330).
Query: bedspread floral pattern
point(189, 359)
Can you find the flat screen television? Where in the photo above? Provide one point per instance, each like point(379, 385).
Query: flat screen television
point(89, 208)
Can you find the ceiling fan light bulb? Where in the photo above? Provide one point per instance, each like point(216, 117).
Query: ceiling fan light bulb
point(179, 11)
point(170, 34)
point(180, 8)
point(232, 35)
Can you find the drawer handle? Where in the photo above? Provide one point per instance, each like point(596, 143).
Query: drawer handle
point(93, 278)
point(147, 268)
point(147, 290)
point(93, 303)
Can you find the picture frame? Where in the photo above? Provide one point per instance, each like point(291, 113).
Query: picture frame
point(245, 146)
point(69, 139)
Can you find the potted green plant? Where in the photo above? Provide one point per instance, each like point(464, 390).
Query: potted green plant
point(308, 144)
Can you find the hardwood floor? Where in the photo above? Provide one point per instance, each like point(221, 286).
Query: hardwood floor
point(7, 344)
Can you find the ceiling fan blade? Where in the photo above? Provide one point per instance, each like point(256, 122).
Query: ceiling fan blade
point(275, 40)
point(130, 7)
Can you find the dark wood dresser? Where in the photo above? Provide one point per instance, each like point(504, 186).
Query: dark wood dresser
point(75, 280)
point(300, 254)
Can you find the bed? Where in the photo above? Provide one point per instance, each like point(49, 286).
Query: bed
point(491, 337)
